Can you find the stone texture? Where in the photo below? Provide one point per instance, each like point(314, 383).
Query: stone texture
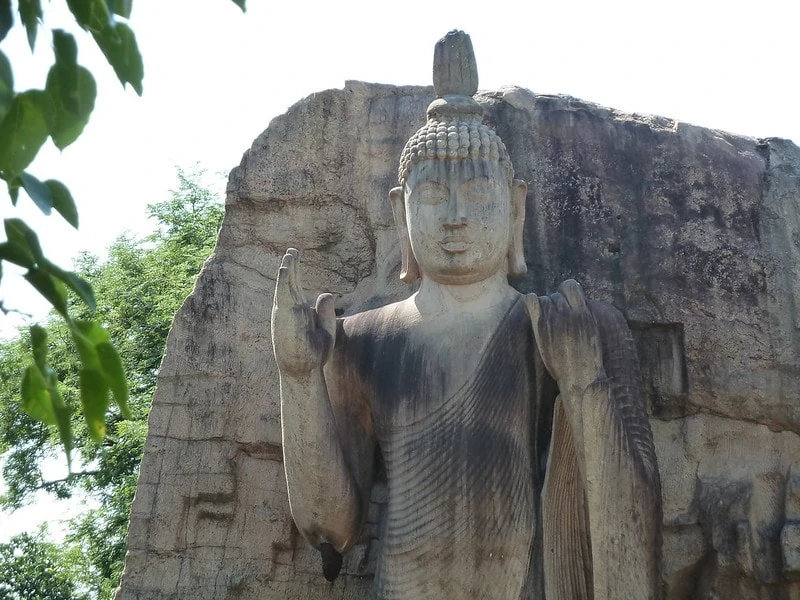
point(693, 233)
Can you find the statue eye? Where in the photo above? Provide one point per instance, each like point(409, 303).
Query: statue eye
point(430, 192)
point(477, 190)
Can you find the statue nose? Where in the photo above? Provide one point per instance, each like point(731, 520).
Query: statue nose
point(455, 223)
point(456, 216)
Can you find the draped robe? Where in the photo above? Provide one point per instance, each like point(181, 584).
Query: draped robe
point(464, 434)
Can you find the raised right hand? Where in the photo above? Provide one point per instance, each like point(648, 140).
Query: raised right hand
point(302, 336)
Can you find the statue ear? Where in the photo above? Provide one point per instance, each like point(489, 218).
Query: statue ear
point(516, 251)
point(409, 271)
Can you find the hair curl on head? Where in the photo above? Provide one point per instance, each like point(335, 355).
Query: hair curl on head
point(455, 129)
point(453, 140)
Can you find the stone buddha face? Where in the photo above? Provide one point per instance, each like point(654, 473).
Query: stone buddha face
point(460, 221)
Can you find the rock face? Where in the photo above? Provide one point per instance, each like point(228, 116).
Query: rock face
point(693, 234)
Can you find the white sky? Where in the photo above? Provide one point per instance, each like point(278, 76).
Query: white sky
point(214, 78)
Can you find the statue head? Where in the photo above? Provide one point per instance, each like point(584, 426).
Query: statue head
point(458, 210)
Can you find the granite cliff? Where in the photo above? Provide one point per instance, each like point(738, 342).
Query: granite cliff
point(694, 234)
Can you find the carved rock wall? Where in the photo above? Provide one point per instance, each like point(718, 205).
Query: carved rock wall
point(694, 234)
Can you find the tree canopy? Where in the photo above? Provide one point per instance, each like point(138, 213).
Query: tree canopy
point(35, 569)
point(106, 336)
point(60, 112)
point(139, 287)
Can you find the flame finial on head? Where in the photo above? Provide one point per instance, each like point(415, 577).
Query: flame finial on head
point(454, 68)
point(455, 128)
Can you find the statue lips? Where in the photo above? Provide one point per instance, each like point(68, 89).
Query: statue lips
point(455, 244)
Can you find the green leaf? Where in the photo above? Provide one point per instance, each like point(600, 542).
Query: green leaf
point(87, 335)
point(35, 397)
point(19, 255)
point(13, 189)
point(61, 413)
point(120, 7)
point(92, 331)
point(53, 409)
point(6, 18)
point(86, 348)
point(39, 192)
point(240, 4)
point(49, 287)
point(39, 346)
point(92, 15)
point(30, 13)
point(66, 53)
point(76, 283)
point(23, 131)
point(69, 123)
point(115, 375)
point(118, 44)
point(62, 201)
point(64, 47)
point(63, 422)
point(94, 400)
point(6, 81)
point(72, 90)
point(20, 234)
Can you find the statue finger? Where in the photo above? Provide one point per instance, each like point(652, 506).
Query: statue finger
point(573, 292)
point(296, 284)
point(540, 308)
point(532, 306)
point(544, 328)
point(326, 322)
point(326, 314)
point(559, 303)
point(286, 263)
point(289, 262)
point(283, 292)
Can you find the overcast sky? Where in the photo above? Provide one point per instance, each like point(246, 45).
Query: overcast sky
point(214, 78)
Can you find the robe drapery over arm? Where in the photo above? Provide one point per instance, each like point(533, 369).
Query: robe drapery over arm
point(601, 503)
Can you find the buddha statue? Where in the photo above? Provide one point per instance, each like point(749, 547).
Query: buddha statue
point(518, 456)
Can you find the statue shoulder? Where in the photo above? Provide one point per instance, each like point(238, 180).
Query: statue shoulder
point(376, 320)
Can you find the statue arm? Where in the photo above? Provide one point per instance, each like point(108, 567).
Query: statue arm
point(327, 503)
point(327, 491)
point(622, 478)
point(601, 500)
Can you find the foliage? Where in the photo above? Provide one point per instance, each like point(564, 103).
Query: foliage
point(34, 569)
point(139, 288)
point(60, 112)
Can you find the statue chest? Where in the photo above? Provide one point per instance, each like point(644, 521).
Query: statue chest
point(459, 466)
point(417, 372)
point(452, 409)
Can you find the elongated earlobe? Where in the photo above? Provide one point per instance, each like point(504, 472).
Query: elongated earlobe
point(516, 250)
point(409, 271)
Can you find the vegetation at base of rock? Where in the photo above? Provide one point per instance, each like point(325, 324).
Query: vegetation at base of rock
point(139, 287)
point(60, 112)
point(33, 568)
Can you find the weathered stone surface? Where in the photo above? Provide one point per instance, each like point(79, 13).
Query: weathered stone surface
point(694, 234)
point(725, 496)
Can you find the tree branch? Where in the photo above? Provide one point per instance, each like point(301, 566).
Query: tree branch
point(68, 479)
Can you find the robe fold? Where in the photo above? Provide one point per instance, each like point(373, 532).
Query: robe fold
point(601, 505)
point(469, 511)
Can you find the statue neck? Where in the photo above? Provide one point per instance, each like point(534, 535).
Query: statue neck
point(439, 298)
